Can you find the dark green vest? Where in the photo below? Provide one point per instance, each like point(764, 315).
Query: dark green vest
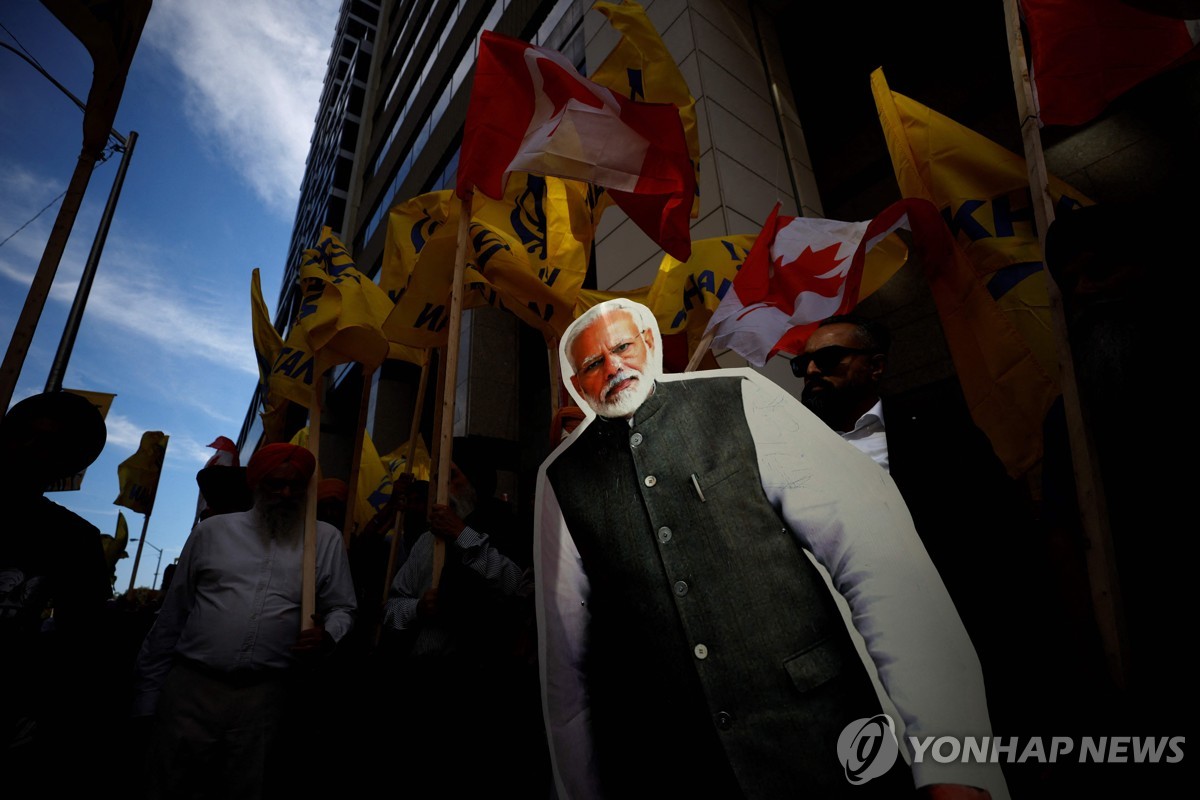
point(717, 661)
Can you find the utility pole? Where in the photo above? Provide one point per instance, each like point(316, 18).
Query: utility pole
point(110, 32)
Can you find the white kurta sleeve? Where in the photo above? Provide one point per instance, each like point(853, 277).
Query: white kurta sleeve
point(562, 620)
point(157, 653)
point(847, 511)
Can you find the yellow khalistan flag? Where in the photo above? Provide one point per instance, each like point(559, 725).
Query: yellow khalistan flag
point(138, 474)
point(694, 288)
point(642, 69)
point(374, 479)
point(267, 346)
point(341, 310)
point(527, 254)
point(990, 291)
point(982, 189)
point(422, 465)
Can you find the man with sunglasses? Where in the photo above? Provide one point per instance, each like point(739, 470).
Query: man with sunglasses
point(842, 366)
point(951, 481)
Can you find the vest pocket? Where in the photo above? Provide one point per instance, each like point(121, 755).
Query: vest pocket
point(711, 479)
point(816, 664)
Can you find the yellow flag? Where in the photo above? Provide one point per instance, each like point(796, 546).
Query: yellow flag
point(374, 484)
point(982, 189)
point(114, 546)
point(295, 370)
point(641, 68)
point(411, 225)
point(594, 297)
point(374, 479)
point(138, 474)
point(422, 465)
point(527, 254)
point(267, 346)
point(533, 247)
point(990, 291)
point(267, 341)
point(341, 310)
point(695, 287)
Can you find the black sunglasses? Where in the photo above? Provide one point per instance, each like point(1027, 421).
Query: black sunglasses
point(826, 359)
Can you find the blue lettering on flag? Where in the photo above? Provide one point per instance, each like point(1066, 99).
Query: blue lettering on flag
point(1005, 278)
point(1003, 215)
point(636, 89)
point(430, 317)
point(961, 220)
point(529, 217)
point(486, 243)
point(423, 230)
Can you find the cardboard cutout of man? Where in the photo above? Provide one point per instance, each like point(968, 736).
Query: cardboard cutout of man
point(688, 643)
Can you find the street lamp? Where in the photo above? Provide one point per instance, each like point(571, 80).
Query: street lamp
point(154, 582)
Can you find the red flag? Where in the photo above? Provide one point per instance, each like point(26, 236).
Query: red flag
point(800, 271)
point(226, 455)
point(1087, 53)
point(530, 111)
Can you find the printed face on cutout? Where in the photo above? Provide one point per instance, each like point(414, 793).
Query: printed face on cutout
point(613, 364)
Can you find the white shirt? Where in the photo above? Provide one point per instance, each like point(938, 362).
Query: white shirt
point(235, 601)
point(850, 516)
point(415, 577)
point(869, 435)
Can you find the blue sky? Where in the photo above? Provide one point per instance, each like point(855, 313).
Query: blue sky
point(222, 94)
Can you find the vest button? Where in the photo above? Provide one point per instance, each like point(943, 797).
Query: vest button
point(650, 480)
point(635, 440)
point(681, 588)
point(664, 534)
point(701, 651)
point(724, 720)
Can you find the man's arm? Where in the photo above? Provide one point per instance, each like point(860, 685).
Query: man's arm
point(410, 583)
point(335, 588)
point(158, 648)
point(562, 620)
point(475, 550)
point(849, 514)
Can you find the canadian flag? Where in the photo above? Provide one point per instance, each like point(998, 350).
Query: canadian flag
point(1087, 53)
point(226, 455)
point(800, 271)
point(530, 111)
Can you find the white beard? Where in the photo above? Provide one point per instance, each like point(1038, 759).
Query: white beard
point(629, 400)
point(281, 520)
point(463, 503)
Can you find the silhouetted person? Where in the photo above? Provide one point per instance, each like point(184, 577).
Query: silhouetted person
point(54, 582)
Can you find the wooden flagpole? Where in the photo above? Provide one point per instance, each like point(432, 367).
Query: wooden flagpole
point(701, 351)
point(137, 559)
point(356, 454)
point(414, 431)
point(1100, 556)
point(446, 435)
point(308, 562)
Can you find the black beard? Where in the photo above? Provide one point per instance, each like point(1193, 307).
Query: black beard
point(825, 404)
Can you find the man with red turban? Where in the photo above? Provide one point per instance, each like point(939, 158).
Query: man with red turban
point(217, 669)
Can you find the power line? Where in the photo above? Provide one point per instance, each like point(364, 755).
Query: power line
point(31, 219)
point(112, 148)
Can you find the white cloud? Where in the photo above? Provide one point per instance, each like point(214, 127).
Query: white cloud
point(253, 72)
point(123, 434)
